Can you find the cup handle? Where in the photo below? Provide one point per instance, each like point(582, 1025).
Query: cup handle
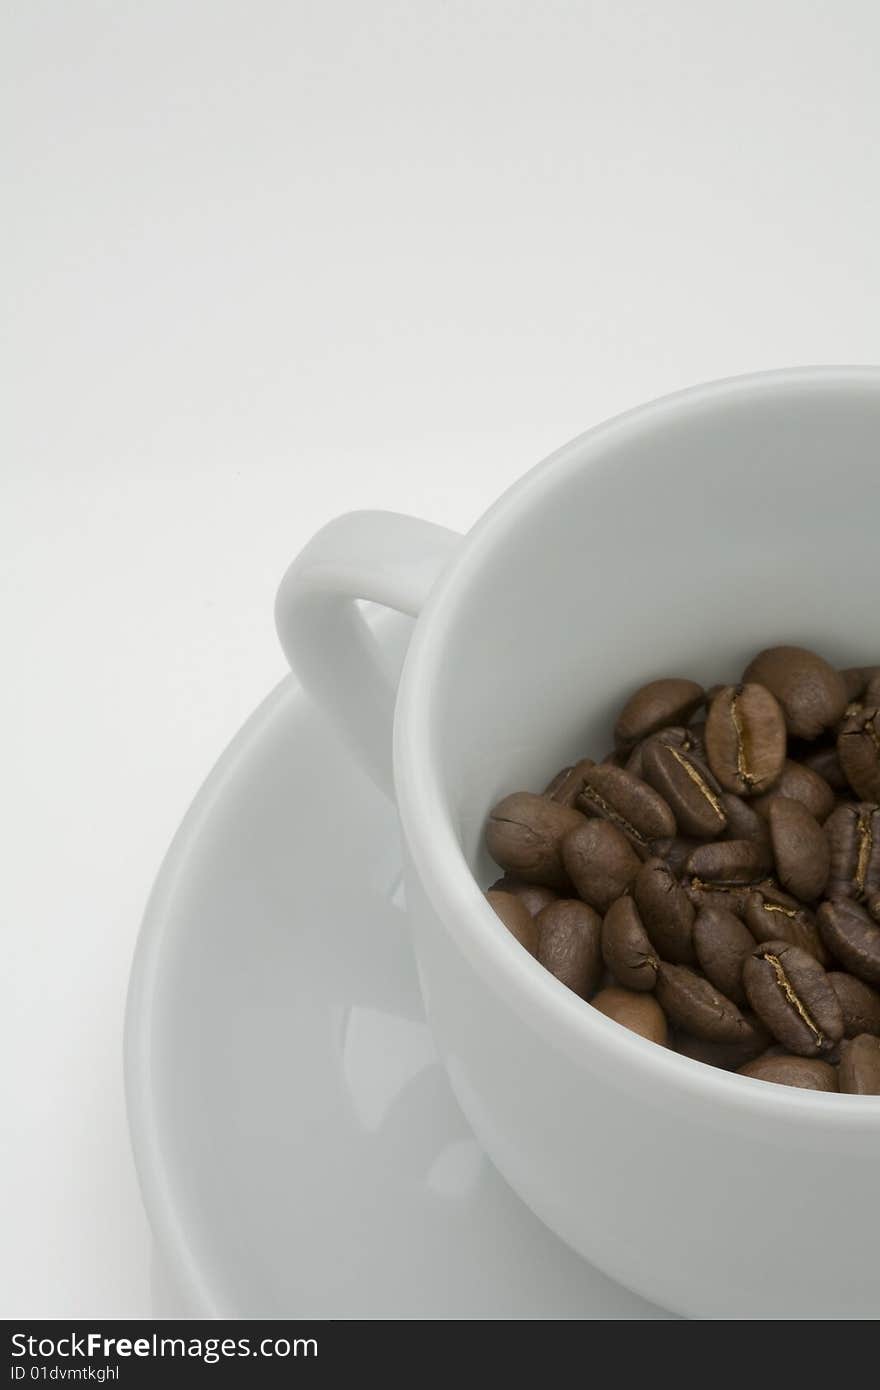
point(383, 556)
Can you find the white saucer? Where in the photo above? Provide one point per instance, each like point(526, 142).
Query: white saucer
point(299, 1150)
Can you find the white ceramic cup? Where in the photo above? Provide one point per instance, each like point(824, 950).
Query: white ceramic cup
point(678, 539)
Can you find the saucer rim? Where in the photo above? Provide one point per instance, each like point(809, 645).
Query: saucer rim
point(143, 1129)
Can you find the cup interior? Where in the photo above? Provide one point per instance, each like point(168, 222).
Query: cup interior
point(677, 540)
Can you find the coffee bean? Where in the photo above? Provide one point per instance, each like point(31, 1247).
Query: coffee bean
point(688, 788)
point(600, 862)
point(809, 1073)
point(752, 1041)
point(626, 946)
point(772, 915)
point(531, 894)
point(777, 1050)
point(666, 914)
point(745, 738)
point(639, 1012)
point(618, 757)
point(858, 747)
point(516, 918)
point(524, 835)
point(613, 794)
point(730, 896)
point(800, 848)
point(812, 694)
point(860, 1066)
point(789, 991)
point(568, 783)
point(801, 784)
point(695, 848)
point(557, 781)
point(853, 832)
point(852, 937)
point(696, 1006)
point(570, 944)
point(730, 1056)
point(743, 822)
point(655, 705)
point(676, 736)
point(859, 1003)
point(857, 679)
point(722, 943)
point(823, 760)
point(730, 862)
point(674, 852)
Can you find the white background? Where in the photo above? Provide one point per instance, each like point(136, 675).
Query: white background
point(265, 262)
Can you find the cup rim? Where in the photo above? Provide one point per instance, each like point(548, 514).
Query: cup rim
point(445, 877)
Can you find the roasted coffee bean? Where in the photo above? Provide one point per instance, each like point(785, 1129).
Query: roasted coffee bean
point(722, 943)
point(626, 946)
point(745, 738)
point(524, 835)
point(857, 679)
point(853, 832)
point(696, 1006)
point(516, 918)
point(809, 1073)
point(777, 1050)
point(666, 913)
point(615, 795)
point(634, 757)
point(789, 991)
point(695, 848)
point(772, 915)
point(676, 736)
point(730, 896)
point(800, 848)
point(656, 705)
point(852, 938)
point(688, 788)
point(823, 760)
point(570, 944)
point(568, 783)
point(531, 894)
point(812, 694)
point(618, 757)
point(639, 1012)
point(558, 781)
point(743, 822)
point(730, 862)
point(859, 1003)
point(860, 1066)
point(674, 852)
point(858, 747)
point(600, 861)
point(801, 784)
point(753, 1041)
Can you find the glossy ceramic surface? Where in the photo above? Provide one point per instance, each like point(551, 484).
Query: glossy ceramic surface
point(677, 539)
point(299, 1148)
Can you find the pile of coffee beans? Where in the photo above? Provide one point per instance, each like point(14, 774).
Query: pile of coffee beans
point(713, 883)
